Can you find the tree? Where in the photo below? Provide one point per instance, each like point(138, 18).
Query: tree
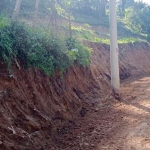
point(17, 8)
point(67, 7)
point(53, 16)
point(90, 7)
point(123, 5)
point(36, 12)
point(137, 17)
point(102, 7)
point(129, 3)
point(6, 6)
point(69, 18)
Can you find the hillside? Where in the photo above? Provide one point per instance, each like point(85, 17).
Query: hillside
point(55, 91)
point(35, 107)
point(82, 19)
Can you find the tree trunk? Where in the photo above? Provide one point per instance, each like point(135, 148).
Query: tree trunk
point(123, 5)
point(17, 9)
point(70, 31)
point(102, 8)
point(53, 14)
point(36, 12)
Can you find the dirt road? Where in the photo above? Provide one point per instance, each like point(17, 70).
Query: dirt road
point(112, 125)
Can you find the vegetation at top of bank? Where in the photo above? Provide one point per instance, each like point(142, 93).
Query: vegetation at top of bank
point(46, 34)
point(39, 48)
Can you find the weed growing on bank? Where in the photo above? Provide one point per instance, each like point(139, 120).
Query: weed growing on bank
point(39, 48)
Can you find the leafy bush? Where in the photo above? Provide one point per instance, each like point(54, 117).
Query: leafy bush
point(78, 52)
point(4, 21)
point(5, 43)
point(40, 49)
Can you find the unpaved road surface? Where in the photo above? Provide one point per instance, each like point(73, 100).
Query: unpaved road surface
point(112, 124)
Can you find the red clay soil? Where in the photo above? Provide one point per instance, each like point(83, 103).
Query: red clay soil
point(76, 111)
point(113, 125)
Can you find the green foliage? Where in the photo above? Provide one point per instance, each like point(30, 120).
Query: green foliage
point(137, 18)
point(87, 33)
point(5, 42)
point(4, 21)
point(130, 40)
point(78, 52)
point(83, 55)
point(83, 32)
point(39, 48)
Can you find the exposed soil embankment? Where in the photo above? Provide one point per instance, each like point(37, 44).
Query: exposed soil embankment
point(34, 107)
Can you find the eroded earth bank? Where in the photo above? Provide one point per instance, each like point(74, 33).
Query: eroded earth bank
point(76, 111)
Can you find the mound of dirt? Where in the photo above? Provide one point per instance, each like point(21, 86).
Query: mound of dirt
point(35, 109)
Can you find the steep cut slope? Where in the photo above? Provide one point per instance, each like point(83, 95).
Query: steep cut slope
point(34, 107)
